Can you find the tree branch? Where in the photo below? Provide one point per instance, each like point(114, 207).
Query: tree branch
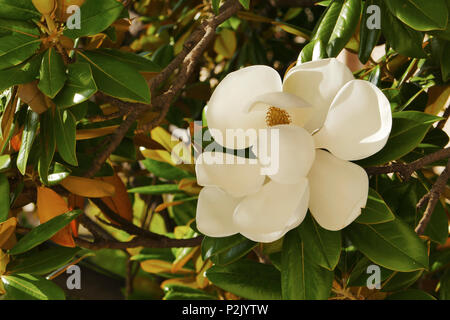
point(433, 198)
point(406, 169)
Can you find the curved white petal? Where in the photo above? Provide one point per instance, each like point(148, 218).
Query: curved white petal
point(215, 212)
point(267, 215)
point(287, 152)
point(359, 122)
point(317, 82)
point(339, 190)
point(235, 175)
point(236, 93)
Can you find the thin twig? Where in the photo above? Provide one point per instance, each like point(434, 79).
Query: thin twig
point(433, 198)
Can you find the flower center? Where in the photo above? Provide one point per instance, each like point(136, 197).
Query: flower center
point(276, 116)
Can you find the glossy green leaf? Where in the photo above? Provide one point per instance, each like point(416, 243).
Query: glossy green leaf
point(360, 273)
point(57, 173)
point(400, 37)
point(402, 280)
point(368, 37)
point(139, 62)
point(43, 232)
point(325, 244)
point(301, 278)
point(18, 9)
point(212, 246)
point(215, 5)
point(17, 48)
point(115, 78)
point(314, 50)
point(4, 198)
point(48, 145)
point(28, 135)
point(392, 245)
point(65, 133)
point(156, 189)
point(5, 162)
point(23, 73)
point(234, 253)
point(96, 16)
point(344, 27)
point(422, 15)
point(408, 130)
point(179, 292)
point(80, 86)
point(165, 170)
point(43, 262)
point(411, 294)
point(52, 73)
point(13, 27)
point(376, 210)
point(247, 279)
point(245, 4)
point(30, 287)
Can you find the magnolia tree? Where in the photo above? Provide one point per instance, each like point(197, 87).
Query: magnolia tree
point(234, 149)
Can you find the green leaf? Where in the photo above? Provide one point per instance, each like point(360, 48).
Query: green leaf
point(80, 86)
point(402, 280)
point(359, 275)
point(28, 135)
point(157, 189)
point(247, 279)
point(57, 173)
point(165, 170)
point(325, 27)
point(140, 63)
point(376, 210)
point(96, 16)
point(52, 74)
point(18, 9)
point(29, 287)
point(43, 232)
point(178, 292)
point(445, 61)
point(344, 27)
point(233, 254)
point(314, 50)
point(115, 78)
point(411, 294)
point(48, 145)
point(4, 198)
point(5, 162)
point(245, 4)
point(444, 289)
point(325, 244)
point(14, 27)
point(43, 262)
point(65, 133)
point(215, 5)
point(301, 278)
point(213, 246)
point(23, 73)
point(368, 37)
point(408, 130)
point(16, 48)
point(422, 15)
point(392, 245)
point(400, 37)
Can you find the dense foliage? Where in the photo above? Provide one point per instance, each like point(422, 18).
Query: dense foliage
point(86, 175)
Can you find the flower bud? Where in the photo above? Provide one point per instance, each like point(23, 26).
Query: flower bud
point(45, 7)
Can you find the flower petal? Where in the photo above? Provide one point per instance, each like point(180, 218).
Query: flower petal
point(291, 151)
point(317, 82)
point(229, 105)
point(359, 122)
point(215, 212)
point(339, 190)
point(267, 215)
point(235, 175)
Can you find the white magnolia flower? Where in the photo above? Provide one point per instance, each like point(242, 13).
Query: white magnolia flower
point(325, 119)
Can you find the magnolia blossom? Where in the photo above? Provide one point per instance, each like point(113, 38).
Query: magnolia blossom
point(325, 119)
